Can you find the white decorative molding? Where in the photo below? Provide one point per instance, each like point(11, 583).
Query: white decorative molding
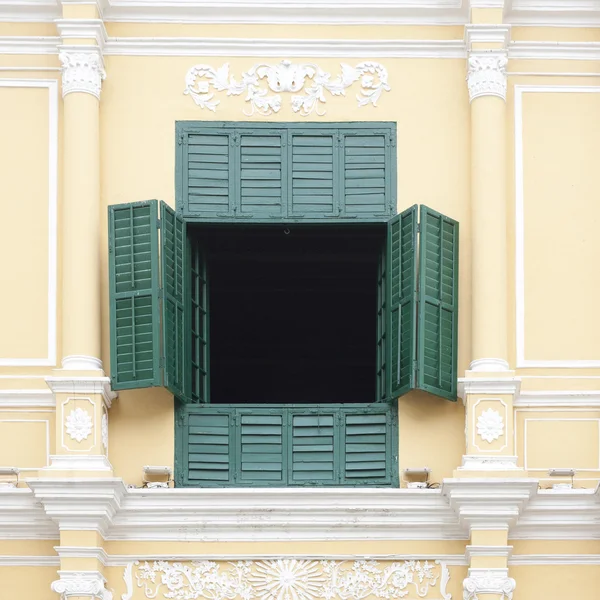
point(554, 50)
point(490, 425)
point(489, 385)
point(522, 362)
point(104, 430)
point(202, 81)
point(489, 365)
point(52, 86)
point(522, 560)
point(472, 551)
point(93, 552)
point(78, 424)
point(482, 462)
point(566, 398)
point(79, 462)
point(488, 581)
point(77, 29)
point(285, 578)
point(81, 72)
point(486, 75)
point(88, 584)
point(29, 561)
point(478, 33)
point(83, 385)
point(26, 398)
point(79, 362)
point(564, 13)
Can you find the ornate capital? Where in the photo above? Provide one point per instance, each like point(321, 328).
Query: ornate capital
point(82, 72)
point(81, 583)
point(486, 75)
point(488, 581)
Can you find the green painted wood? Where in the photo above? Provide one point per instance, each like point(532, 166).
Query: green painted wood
point(438, 304)
point(199, 355)
point(175, 276)
point(382, 385)
point(402, 302)
point(286, 445)
point(134, 295)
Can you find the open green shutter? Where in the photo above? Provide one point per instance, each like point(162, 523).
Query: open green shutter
point(402, 301)
point(438, 304)
point(134, 295)
point(174, 286)
point(382, 350)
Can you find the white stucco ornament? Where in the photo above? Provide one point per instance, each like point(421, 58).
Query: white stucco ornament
point(306, 81)
point(288, 579)
point(84, 584)
point(81, 72)
point(490, 425)
point(78, 424)
point(488, 581)
point(486, 75)
point(104, 430)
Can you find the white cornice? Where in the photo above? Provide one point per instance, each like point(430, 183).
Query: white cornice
point(96, 553)
point(554, 50)
point(28, 44)
point(23, 398)
point(549, 399)
point(489, 385)
point(69, 29)
point(522, 560)
point(558, 13)
point(23, 518)
point(83, 385)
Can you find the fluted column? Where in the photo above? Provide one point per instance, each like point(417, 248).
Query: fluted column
point(487, 92)
point(82, 75)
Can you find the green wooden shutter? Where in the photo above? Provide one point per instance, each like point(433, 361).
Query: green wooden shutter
point(438, 304)
point(199, 330)
point(382, 381)
point(208, 449)
point(369, 446)
point(261, 167)
point(402, 301)
point(314, 173)
point(174, 275)
point(313, 448)
point(207, 184)
point(261, 447)
point(367, 167)
point(134, 295)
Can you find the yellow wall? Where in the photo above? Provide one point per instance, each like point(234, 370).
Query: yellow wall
point(31, 583)
point(557, 582)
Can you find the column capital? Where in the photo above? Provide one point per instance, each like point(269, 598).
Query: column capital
point(486, 75)
point(82, 70)
point(86, 584)
point(488, 581)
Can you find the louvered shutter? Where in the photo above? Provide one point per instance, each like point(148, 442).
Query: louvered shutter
point(208, 443)
point(174, 275)
point(261, 447)
point(438, 304)
point(198, 326)
point(368, 446)
point(382, 318)
point(261, 167)
point(207, 182)
point(134, 295)
point(402, 301)
point(315, 173)
point(367, 173)
point(314, 454)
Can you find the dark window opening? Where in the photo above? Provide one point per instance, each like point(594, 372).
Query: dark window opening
point(293, 312)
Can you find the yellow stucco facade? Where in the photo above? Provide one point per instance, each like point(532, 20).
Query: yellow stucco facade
point(497, 109)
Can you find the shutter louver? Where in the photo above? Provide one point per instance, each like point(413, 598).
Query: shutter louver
point(366, 163)
point(134, 295)
point(382, 350)
point(314, 173)
point(313, 448)
point(208, 184)
point(173, 250)
point(209, 448)
point(402, 289)
point(438, 304)
point(199, 356)
point(262, 165)
point(262, 447)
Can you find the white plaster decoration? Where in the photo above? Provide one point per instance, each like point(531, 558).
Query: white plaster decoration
point(81, 72)
point(104, 430)
point(81, 584)
point(486, 75)
point(476, 462)
point(287, 579)
point(78, 424)
point(79, 462)
point(489, 385)
point(202, 81)
point(83, 385)
point(489, 365)
point(80, 362)
point(488, 581)
point(490, 425)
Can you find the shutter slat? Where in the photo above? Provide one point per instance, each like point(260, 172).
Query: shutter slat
point(313, 454)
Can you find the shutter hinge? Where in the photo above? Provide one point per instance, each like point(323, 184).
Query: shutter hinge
point(158, 224)
point(161, 362)
point(418, 227)
point(181, 139)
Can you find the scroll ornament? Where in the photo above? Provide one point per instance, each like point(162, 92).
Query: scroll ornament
point(306, 81)
point(288, 579)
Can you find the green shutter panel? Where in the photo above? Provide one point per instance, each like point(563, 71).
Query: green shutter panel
point(174, 275)
point(367, 168)
point(261, 447)
point(402, 301)
point(382, 350)
point(209, 449)
point(199, 334)
point(313, 449)
point(207, 185)
point(369, 447)
point(438, 304)
point(262, 168)
point(134, 295)
point(314, 173)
